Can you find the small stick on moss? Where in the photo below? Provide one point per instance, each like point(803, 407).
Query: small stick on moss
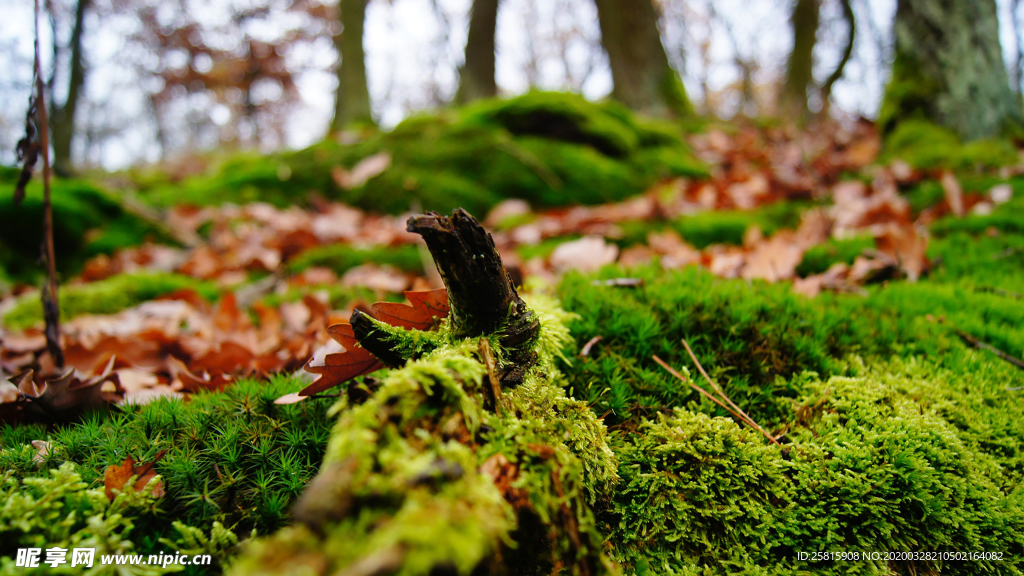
point(492, 377)
point(972, 341)
point(704, 392)
point(723, 396)
point(738, 415)
point(999, 292)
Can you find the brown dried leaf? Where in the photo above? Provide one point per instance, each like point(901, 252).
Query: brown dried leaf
point(427, 306)
point(907, 247)
point(115, 478)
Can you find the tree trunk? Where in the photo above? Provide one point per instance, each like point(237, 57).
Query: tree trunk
point(949, 68)
point(352, 101)
point(62, 121)
point(476, 79)
point(826, 87)
point(643, 78)
point(800, 67)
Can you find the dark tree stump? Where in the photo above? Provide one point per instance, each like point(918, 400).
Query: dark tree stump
point(483, 299)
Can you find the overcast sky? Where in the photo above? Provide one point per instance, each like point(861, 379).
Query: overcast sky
point(403, 38)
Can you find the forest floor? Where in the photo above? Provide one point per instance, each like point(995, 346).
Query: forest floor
point(861, 302)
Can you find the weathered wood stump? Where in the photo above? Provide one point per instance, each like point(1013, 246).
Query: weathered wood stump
point(484, 301)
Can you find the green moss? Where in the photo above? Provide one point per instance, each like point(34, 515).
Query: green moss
point(820, 257)
point(751, 338)
point(608, 127)
point(86, 221)
point(548, 148)
point(59, 510)
point(107, 296)
point(872, 465)
point(924, 145)
point(341, 257)
point(1007, 218)
point(719, 227)
point(232, 457)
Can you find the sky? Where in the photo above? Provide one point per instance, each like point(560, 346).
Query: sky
point(412, 60)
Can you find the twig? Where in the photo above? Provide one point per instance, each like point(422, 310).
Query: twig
point(971, 340)
point(722, 394)
point(704, 392)
point(738, 414)
point(622, 282)
point(51, 305)
point(999, 292)
point(590, 344)
point(1006, 253)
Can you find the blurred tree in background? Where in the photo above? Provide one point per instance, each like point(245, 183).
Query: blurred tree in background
point(476, 77)
point(62, 116)
point(142, 79)
point(949, 68)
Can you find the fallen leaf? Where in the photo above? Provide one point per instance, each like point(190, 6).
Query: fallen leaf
point(954, 193)
point(43, 451)
point(586, 254)
point(774, 259)
point(426, 307)
point(375, 277)
point(362, 172)
point(116, 478)
point(907, 247)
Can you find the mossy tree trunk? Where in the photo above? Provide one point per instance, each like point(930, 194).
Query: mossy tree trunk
point(800, 66)
point(476, 78)
point(352, 100)
point(641, 73)
point(949, 68)
point(62, 118)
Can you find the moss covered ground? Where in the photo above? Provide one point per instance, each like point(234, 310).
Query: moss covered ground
point(894, 434)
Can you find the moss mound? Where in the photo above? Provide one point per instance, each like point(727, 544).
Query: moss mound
point(233, 457)
point(107, 296)
point(551, 149)
point(341, 257)
point(86, 221)
point(872, 466)
point(925, 145)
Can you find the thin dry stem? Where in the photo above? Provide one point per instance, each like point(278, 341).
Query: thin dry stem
point(719, 391)
point(50, 302)
point(673, 372)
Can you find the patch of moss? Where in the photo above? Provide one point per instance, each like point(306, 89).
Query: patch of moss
point(551, 149)
point(820, 257)
point(925, 145)
point(233, 457)
point(107, 296)
point(751, 338)
point(1007, 218)
point(872, 465)
point(86, 221)
point(718, 227)
point(341, 257)
point(59, 510)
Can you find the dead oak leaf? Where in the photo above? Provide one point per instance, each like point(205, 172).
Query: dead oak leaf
point(425, 308)
point(337, 368)
point(906, 246)
point(116, 478)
